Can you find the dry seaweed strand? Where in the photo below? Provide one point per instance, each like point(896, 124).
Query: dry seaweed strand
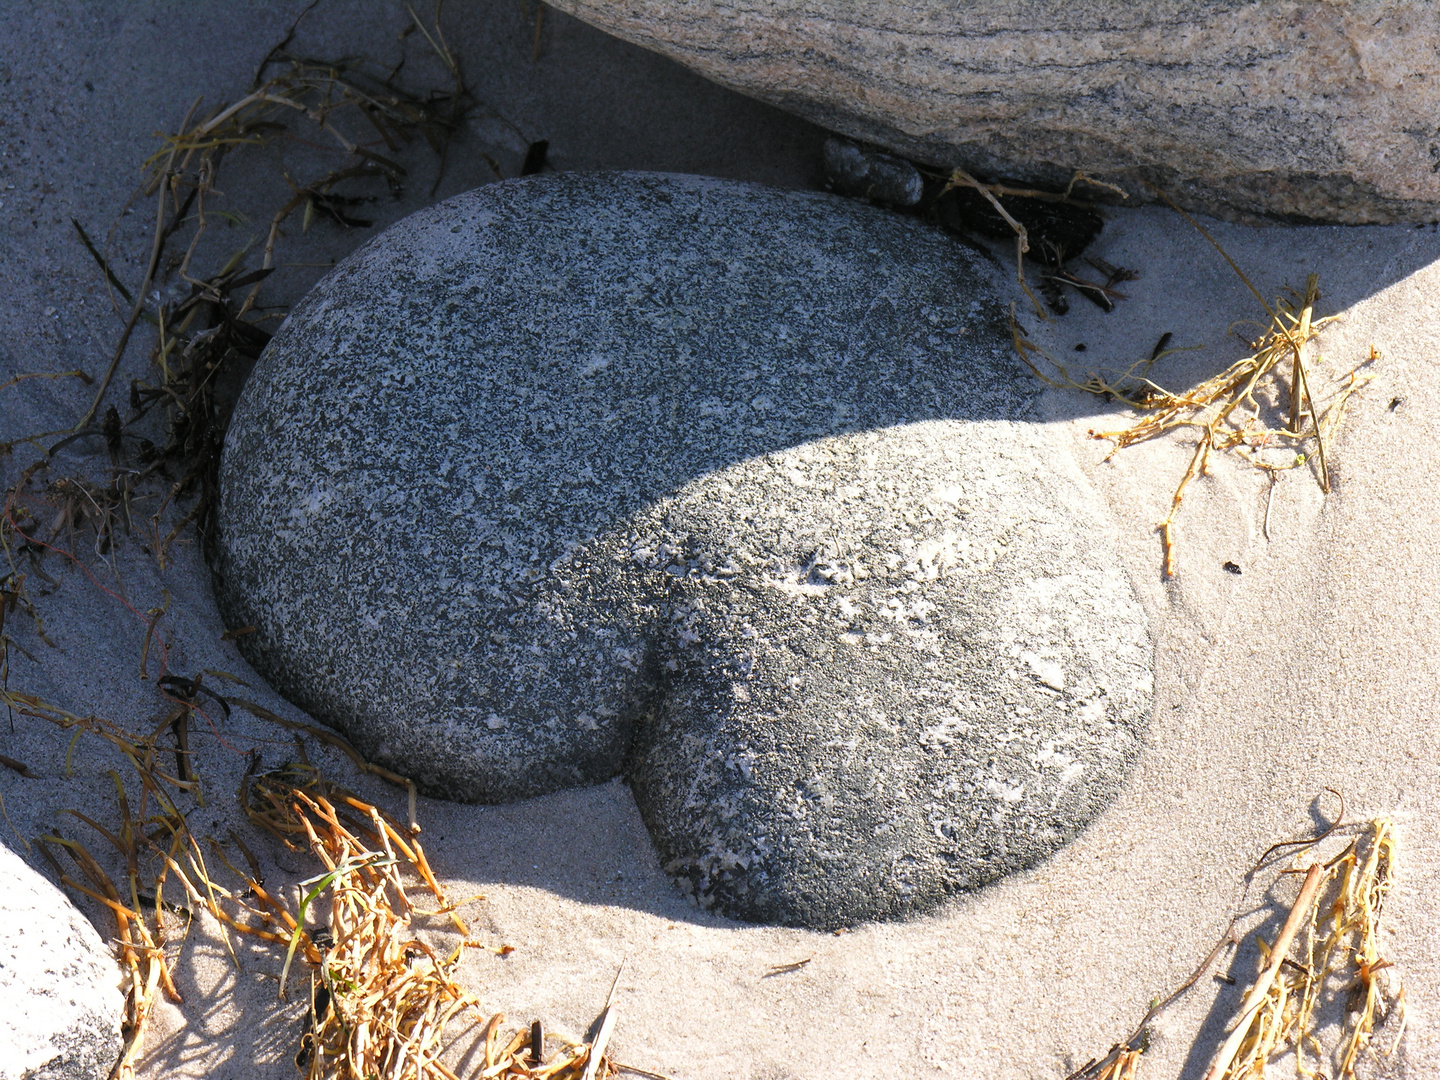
point(1336, 918)
point(1211, 407)
point(1123, 1060)
point(218, 327)
point(140, 939)
point(1338, 910)
point(960, 178)
point(362, 851)
point(992, 193)
point(383, 1001)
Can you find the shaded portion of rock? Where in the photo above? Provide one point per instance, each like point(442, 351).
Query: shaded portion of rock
point(60, 1000)
point(863, 174)
point(736, 490)
point(1236, 107)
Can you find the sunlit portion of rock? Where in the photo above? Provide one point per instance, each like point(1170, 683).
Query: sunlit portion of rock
point(60, 1000)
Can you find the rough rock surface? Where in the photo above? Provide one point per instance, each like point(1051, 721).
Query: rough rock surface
point(1236, 107)
point(60, 999)
point(736, 490)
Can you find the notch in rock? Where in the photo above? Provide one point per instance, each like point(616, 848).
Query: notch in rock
point(535, 158)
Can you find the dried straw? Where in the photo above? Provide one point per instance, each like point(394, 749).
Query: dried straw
point(1325, 954)
point(383, 1001)
point(1225, 408)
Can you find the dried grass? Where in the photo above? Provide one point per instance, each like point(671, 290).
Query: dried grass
point(382, 1000)
point(363, 118)
point(1323, 968)
point(1229, 410)
point(1339, 910)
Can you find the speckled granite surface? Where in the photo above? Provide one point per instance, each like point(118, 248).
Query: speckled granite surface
point(60, 999)
point(734, 490)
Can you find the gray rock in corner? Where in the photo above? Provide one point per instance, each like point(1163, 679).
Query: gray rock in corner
point(1325, 112)
point(60, 1000)
point(737, 491)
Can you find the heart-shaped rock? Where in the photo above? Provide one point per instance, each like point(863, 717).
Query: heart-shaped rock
point(739, 492)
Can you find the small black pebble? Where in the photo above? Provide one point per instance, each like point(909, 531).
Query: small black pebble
point(882, 178)
point(1080, 347)
point(1231, 568)
point(1160, 346)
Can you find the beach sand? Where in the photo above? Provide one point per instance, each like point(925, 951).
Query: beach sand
point(1313, 668)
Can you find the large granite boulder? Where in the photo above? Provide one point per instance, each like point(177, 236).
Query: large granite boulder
point(736, 491)
point(60, 999)
point(1326, 111)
